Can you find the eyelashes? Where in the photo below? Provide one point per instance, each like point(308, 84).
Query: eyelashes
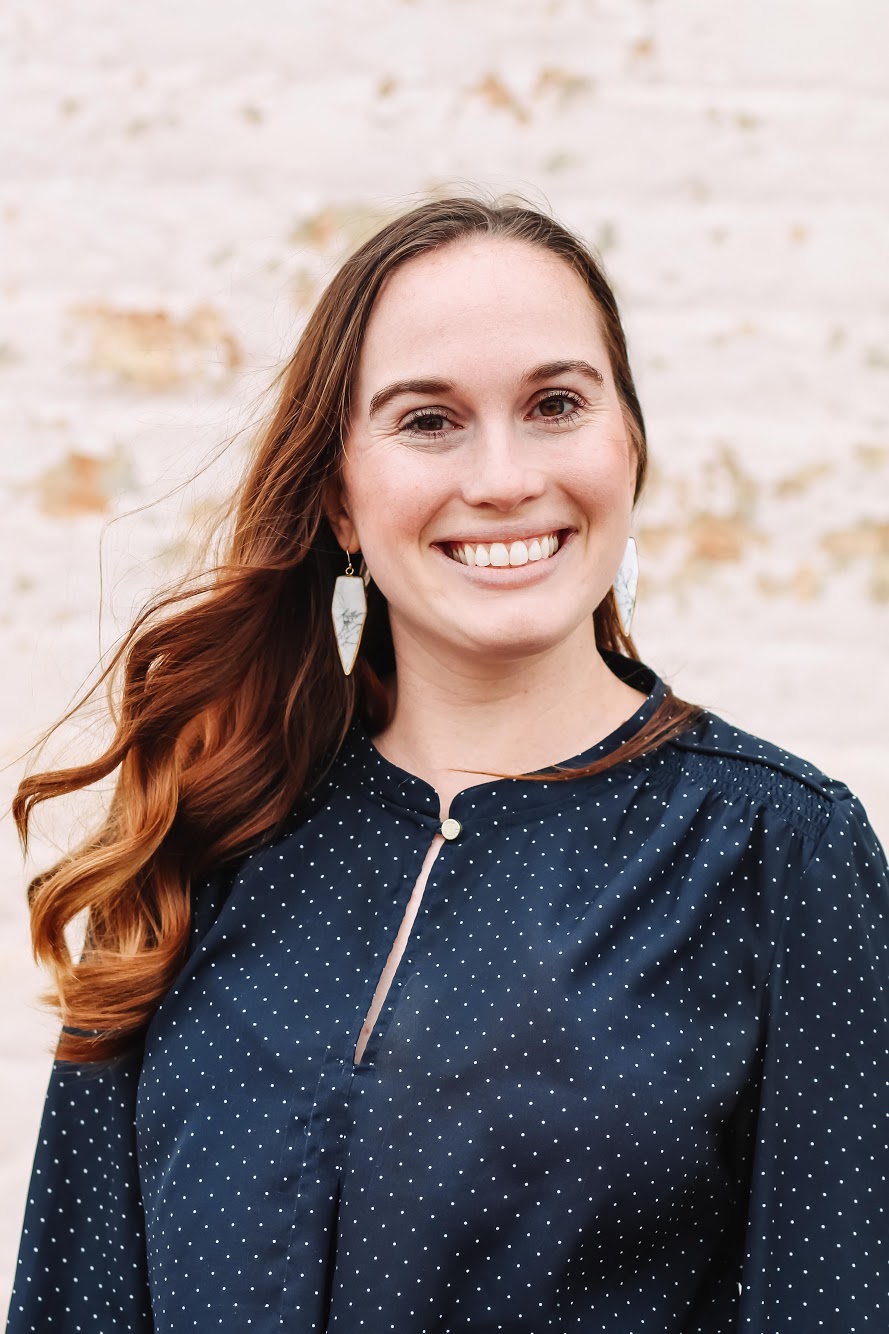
point(560, 396)
point(420, 423)
point(414, 423)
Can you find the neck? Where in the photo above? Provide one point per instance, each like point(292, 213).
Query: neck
point(455, 724)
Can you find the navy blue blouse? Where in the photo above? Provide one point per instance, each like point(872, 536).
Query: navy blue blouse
point(631, 1076)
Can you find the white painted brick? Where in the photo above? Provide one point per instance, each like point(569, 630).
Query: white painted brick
point(730, 160)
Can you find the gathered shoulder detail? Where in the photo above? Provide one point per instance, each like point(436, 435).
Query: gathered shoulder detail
point(717, 756)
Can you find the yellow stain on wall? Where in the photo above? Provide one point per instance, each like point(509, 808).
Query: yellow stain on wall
point(154, 349)
point(82, 483)
point(872, 456)
point(867, 540)
point(494, 91)
point(563, 84)
point(340, 228)
point(804, 584)
point(798, 483)
point(714, 538)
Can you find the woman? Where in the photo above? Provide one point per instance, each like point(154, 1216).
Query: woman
point(487, 985)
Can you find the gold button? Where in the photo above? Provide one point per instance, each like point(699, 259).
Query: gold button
point(451, 829)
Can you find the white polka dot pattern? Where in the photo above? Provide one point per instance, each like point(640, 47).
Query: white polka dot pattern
point(631, 1075)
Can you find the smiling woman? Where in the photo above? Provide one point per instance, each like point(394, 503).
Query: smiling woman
point(497, 460)
point(443, 971)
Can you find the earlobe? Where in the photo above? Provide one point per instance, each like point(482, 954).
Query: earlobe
point(344, 530)
point(340, 522)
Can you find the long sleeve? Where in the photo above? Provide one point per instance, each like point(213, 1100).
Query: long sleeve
point(82, 1259)
point(817, 1253)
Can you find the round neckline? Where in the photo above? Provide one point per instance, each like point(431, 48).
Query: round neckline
point(361, 764)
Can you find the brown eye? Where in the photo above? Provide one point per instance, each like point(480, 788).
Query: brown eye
point(556, 406)
point(431, 422)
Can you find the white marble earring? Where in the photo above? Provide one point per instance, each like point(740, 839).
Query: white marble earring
point(349, 612)
point(625, 583)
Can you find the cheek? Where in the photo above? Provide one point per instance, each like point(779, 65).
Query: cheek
point(605, 482)
point(391, 502)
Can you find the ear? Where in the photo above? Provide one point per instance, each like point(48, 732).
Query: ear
point(338, 516)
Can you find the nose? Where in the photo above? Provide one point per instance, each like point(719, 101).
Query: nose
point(501, 469)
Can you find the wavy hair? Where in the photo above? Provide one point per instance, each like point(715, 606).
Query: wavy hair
point(230, 699)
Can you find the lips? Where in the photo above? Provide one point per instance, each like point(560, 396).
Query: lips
point(522, 551)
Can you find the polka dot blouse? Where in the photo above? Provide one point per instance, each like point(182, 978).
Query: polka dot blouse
point(631, 1075)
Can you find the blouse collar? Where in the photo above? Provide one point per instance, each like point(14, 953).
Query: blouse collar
point(360, 764)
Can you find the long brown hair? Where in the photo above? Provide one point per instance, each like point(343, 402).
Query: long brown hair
point(231, 699)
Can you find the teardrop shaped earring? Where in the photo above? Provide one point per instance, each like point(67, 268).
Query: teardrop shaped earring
point(349, 612)
point(626, 581)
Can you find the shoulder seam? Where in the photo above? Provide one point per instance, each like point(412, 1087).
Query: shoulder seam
point(733, 775)
point(815, 783)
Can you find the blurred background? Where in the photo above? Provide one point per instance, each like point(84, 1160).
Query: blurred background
point(179, 180)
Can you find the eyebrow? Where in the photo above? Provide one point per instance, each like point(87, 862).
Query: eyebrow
point(547, 371)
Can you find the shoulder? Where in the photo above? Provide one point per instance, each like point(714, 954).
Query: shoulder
point(732, 766)
point(719, 747)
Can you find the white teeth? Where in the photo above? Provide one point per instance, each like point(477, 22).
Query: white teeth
point(499, 555)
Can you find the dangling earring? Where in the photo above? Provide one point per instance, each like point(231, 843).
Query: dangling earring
point(349, 612)
point(625, 583)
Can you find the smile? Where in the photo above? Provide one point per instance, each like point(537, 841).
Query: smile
point(500, 555)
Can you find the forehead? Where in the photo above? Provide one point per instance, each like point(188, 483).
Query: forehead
point(483, 300)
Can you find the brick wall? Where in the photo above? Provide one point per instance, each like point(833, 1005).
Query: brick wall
point(178, 180)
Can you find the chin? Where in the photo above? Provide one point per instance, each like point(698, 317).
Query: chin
point(512, 643)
